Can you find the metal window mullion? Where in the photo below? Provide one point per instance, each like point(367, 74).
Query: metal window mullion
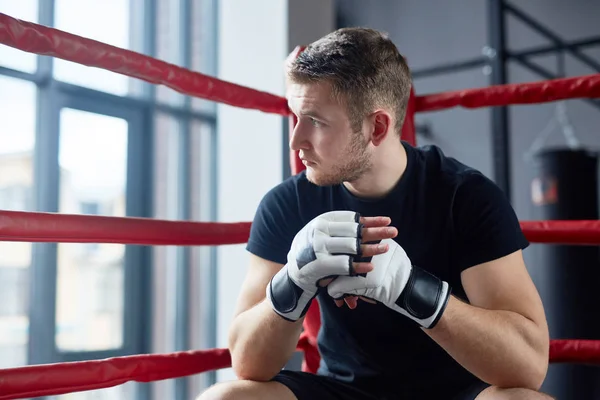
point(182, 269)
point(43, 269)
point(43, 273)
point(145, 315)
point(209, 286)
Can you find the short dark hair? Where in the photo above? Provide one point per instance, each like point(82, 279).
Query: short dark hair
point(364, 68)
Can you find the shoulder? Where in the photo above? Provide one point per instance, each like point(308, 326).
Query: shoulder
point(442, 176)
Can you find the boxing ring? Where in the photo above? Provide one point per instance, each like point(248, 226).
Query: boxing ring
point(61, 378)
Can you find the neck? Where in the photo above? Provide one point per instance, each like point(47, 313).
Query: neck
point(389, 164)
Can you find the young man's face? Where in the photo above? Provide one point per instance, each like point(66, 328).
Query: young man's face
point(331, 151)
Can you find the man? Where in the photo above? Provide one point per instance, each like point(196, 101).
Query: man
point(415, 259)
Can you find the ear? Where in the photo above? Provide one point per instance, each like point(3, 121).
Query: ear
point(381, 123)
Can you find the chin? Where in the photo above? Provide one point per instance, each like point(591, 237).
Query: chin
point(320, 179)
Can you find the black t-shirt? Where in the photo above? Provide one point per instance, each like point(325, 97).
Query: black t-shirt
point(449, 217)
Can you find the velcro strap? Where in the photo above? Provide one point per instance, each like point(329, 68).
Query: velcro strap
point(422, 294)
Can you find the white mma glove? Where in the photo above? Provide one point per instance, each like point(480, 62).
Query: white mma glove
point(395, 282)
point(324, 248)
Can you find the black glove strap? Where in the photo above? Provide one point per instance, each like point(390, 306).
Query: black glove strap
point(422, 294)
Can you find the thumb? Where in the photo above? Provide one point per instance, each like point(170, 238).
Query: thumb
point(344, 285)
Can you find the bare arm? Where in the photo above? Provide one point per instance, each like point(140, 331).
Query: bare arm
point(257, 331)
point(502, 336)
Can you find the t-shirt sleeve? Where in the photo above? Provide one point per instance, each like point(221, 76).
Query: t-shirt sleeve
point(485, 224)
point(275, 224)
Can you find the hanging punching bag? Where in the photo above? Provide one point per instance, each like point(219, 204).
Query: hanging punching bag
point(565, 188)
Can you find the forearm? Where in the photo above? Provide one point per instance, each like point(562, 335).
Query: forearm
point(502, 348)
point(261, 342)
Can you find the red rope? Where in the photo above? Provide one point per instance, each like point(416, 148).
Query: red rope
point(516, 93)
point(39, 39)
point(19, 226)
point(65, 228)
point(43, 40)
point(575, 351)
point(562, 232)
point(61, 378)
point(55, 379)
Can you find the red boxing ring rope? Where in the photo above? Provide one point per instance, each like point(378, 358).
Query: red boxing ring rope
point(64, 228)
point(55, 379)
point(40, 39)
point(19, 226)
point(43, 380)
point(516, 93)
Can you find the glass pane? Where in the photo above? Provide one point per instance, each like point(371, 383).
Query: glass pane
point(203, 40)
point(17, 139)
point(90, 18)
point(202, 190)
point(202, 167)
point(166, 189)
point(121, 392)
point(169, 44)
point(10, 57)
point(90, 293)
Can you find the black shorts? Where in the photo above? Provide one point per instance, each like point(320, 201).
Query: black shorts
point(306, 386)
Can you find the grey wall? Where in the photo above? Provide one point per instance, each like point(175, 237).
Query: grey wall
point(433, 32)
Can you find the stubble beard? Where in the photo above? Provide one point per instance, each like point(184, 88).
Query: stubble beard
point(358, 162)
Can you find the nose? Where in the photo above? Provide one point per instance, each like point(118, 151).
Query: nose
point(299, 138)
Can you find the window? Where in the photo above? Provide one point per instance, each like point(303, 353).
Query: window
point(17, 138)
point(90, 293)
point(79, 306)
point(26, 10)
point(106, 21)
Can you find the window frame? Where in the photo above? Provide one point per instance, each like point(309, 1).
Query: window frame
point(52, 96)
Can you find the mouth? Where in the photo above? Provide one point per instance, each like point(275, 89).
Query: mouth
point(308, 163)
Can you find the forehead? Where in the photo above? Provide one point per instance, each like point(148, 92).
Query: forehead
point(313, 96)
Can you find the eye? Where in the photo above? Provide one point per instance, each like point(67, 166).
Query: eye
point(315, 122)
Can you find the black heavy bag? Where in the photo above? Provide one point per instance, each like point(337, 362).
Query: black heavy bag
point(565, 188)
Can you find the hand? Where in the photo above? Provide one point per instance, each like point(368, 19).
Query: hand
point(375, 229)
point(324, 248)
point(399, 285)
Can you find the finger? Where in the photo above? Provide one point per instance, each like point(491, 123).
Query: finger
point(342, 245)
point(339, 303)
point(361, 268)
point(329, 267)
point(372, 222)
point(369, 250)
point(351, 301)
point(345, 286)
point(343, 229)
point(374, 234)
point(357, 268)
point(325, 282)
point(367, 300)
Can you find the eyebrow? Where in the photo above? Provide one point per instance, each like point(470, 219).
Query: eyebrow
point(314, 114)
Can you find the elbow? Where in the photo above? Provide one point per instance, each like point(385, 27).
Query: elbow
point(531, 376)
point(535, 378)
point(247, 369)
point(251, 373)
point(540, 361)
point(539, 370)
